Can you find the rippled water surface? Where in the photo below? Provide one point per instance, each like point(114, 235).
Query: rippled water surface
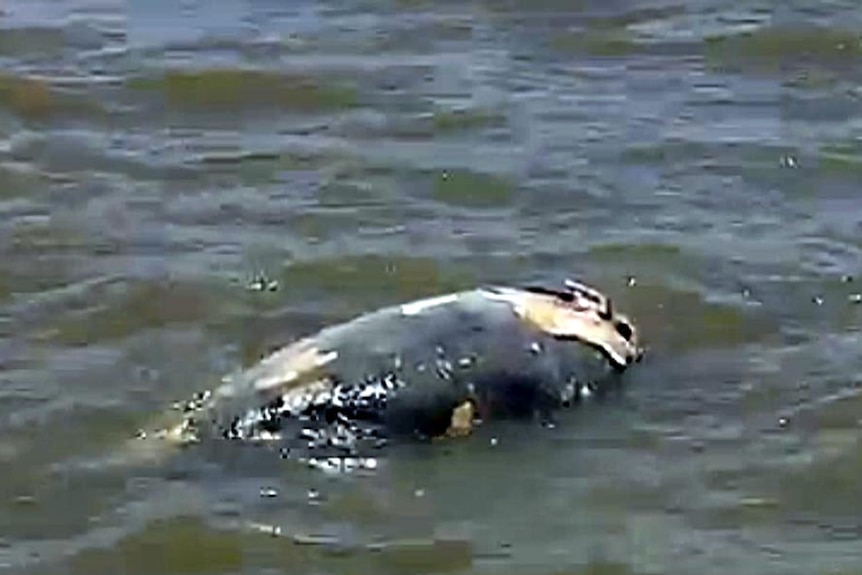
point(156, 156)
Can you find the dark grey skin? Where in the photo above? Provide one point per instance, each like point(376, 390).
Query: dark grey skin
point(405, 370)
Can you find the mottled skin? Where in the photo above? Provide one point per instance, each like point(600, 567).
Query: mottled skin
point(435, 365)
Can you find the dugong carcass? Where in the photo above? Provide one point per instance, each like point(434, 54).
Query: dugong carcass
point(429, 368)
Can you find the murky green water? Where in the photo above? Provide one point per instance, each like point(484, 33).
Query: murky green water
point(155, 156)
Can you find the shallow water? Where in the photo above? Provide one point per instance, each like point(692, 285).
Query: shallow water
point(156, 156)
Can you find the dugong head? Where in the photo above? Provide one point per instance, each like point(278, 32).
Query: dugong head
point(582, 313)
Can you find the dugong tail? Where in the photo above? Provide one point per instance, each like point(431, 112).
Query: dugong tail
point(293, 367)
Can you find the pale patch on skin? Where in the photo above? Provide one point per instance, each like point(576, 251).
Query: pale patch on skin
point(295, 367)
point(556, 319)
point(461, 423)
point(417, 307)
point(586, 317)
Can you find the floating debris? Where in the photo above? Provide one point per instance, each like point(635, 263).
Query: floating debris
point(262, 283)
point(789, 162)
point(273, 530)
point(315, 539)
point(25, 500)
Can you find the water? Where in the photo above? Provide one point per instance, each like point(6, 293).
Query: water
point(157, 156)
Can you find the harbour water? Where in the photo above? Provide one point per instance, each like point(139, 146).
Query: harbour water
point(699, 160)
